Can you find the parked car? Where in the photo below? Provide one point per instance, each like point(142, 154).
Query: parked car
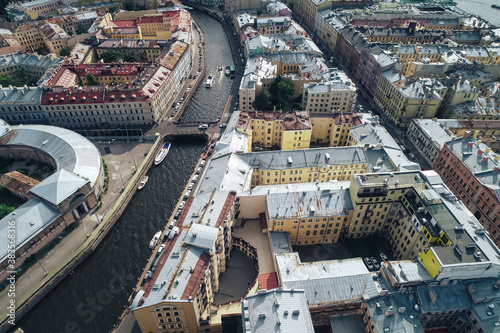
point(161, 248)
point(375, 263)
point(181, 205)
point(190, 186)
point(198, 171)
point(368, 263)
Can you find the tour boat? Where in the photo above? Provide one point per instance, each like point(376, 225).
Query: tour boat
point(143, 182)
point(228, 71)
point(162, 153)
point(209, 82)
point(496, 6)
point(155, 240)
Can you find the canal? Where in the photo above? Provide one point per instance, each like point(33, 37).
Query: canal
point(95, 294)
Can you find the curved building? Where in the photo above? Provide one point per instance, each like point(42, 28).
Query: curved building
point(57, 201)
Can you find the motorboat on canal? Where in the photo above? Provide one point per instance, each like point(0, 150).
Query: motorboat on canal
point(155, 240)
point(162, 153)
point(143, 183)
point(228, 71)
point(209, 82)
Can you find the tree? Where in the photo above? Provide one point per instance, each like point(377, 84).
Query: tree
point(130, 56)
point(5, 210)
point(81, 30)
point(23, 75)
point(5, 81)
point(111, 56)
point(281, 93)
point(65, 51)
point(259, 12)
point(71, 33)
point(285, 93)
point(112, 10)
point(263, 101)
point(91, 80)
point(129, 6)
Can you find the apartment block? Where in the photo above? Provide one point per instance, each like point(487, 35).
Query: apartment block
point(311, 216)
point(336, 95)
point(185, 277)
point(144, 50)
point(471, 169)
point(67, 102)
point(429, 136)
point(276, 130)
point(333, 130)
point(403, 99)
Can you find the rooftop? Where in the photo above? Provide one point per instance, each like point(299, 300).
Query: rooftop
point(276, 310)
point(70, 150)
point(327, 282)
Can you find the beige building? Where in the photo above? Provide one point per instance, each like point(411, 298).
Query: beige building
point(275, 130)
point(336, 95)
point(403, 99)
point(181, 287)
point(124, 102)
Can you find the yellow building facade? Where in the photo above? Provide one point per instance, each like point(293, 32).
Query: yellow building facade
point(403, 100)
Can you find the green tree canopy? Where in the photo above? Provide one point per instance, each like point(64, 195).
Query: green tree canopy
point(71, 33)
point(65, 51)
point(24, 75)
point(81, 30)
point(91, 80)
point(129, 56)
point(112, 10)
point(129, 5)
point(263, 101)
point(111, 56)
point(281, 93)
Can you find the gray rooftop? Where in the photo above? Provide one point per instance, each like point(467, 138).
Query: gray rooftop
point(276, 310)
point(327, 282)
point(58, 186)
point(202, 236)
point(31, 218)
point(70, 150)
point(308, 203)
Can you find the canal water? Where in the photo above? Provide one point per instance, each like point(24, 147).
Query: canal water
point(207, 104)
point(94, 295)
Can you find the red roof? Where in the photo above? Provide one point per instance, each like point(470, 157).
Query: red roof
point(125, 23)
point(149, 19)
point(268, 281)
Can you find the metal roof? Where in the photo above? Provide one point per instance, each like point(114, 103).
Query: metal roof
point(308, 203)
point(327, 282)
point(29, 219)
point(59, 186)
point(202, 236)
point(70, 150)
point(276, 310)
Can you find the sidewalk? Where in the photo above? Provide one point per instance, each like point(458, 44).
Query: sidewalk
point(57, 257)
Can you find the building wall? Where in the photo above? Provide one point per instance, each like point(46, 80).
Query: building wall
point(307, 230)
point(335, 100)
point(304, 175)
point(476, 196)
point(326, 131)
point(156, 318)
point(401, 109)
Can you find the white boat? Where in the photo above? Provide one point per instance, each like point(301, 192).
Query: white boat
point(209, 82)
point(162, 153)
point(155, 240)
point(143, 182)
